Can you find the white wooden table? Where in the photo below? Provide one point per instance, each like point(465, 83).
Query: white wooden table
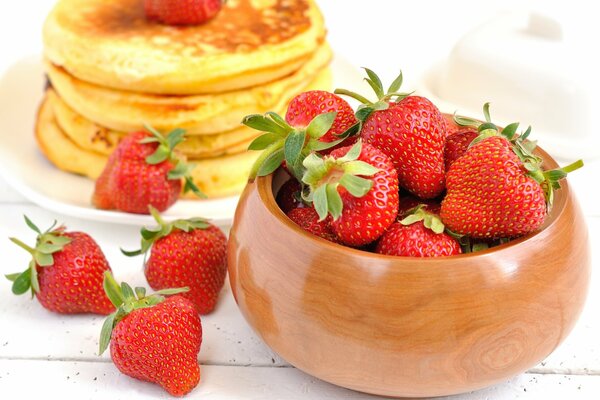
point(44, 354)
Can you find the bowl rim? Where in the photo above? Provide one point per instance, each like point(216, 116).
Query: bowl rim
point(264, 185)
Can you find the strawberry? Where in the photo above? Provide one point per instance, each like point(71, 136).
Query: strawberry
point(451, 126)
point(409, 202)
point(410, 130)
point(306, 106)
point(189, 253)
point(308, 219)
point(457, 144)
point(358, 186)
point(152, 338)
point(317, 121)
point(182, 12)
point(497, 189)
point(289, 196)
point(65, 272)
point(143, 171)
point(420, 234)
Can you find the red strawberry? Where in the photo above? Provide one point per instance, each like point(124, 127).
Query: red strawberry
point(189, 253)
point(152, 338)
point(306, 106)
point(182, 12)
point(457, 144)
point(65, 272)
point(358, 186)
point(497, 189)
point(288, 143)
point(143, 171)
point(415, 240)
point(410, 131)
point(407, 203)
point(451, 126)
point(289, 196)
point(308, 219)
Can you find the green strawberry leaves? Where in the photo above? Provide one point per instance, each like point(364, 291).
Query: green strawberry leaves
point(281, 142)
point(368, 107)
point(324, 175)
point(151, 234)
point(47, 243)
point(126, 300)
point(165, 152)
point(430, 220)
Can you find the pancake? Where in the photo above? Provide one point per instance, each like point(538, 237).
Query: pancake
point(93, 137)
point(198, 114)
point(217, 177)
point(250, 42)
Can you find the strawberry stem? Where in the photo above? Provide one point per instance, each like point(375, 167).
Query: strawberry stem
point(572, 167)
point(22, 245)
point(353, 95)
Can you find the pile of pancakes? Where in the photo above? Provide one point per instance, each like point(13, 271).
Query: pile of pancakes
point(111, 71)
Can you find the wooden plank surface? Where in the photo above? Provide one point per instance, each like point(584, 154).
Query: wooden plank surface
point(91, 380)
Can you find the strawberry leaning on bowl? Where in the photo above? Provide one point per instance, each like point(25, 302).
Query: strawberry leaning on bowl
point(314, 121)
point(410, 130)
point(144, 171)
point(419, 234)
point(153, 338)
point(358, 186)
point(498, 188)
point(65, 273)
point(190, 253)
point(182, 12)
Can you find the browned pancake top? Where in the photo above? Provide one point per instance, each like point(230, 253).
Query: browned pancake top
point(239, 27)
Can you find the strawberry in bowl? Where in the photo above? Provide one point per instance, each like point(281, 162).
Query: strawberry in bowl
point(396, 297)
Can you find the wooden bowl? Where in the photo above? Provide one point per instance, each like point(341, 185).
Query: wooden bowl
point(403, 326)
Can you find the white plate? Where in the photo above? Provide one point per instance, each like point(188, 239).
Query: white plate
point(25, 168)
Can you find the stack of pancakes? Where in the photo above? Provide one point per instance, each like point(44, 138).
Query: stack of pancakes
point(111, 71)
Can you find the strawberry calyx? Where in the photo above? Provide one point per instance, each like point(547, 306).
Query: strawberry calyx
point(384, 97)
point(324, 175)
point(151, 234)
point(524, 149)
point(126, 300)
point(430, 220)
point(47, 243)
point(165, 152)
point(282, 142)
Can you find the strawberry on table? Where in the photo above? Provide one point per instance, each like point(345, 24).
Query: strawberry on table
point(182, 12)
point(308, 219)
point(144, 171)
point(410, 130)
point(498, 188)
point(152, 338)
point(65, 272)
point(358, 186)
point(419, 234)
point(189, 253)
